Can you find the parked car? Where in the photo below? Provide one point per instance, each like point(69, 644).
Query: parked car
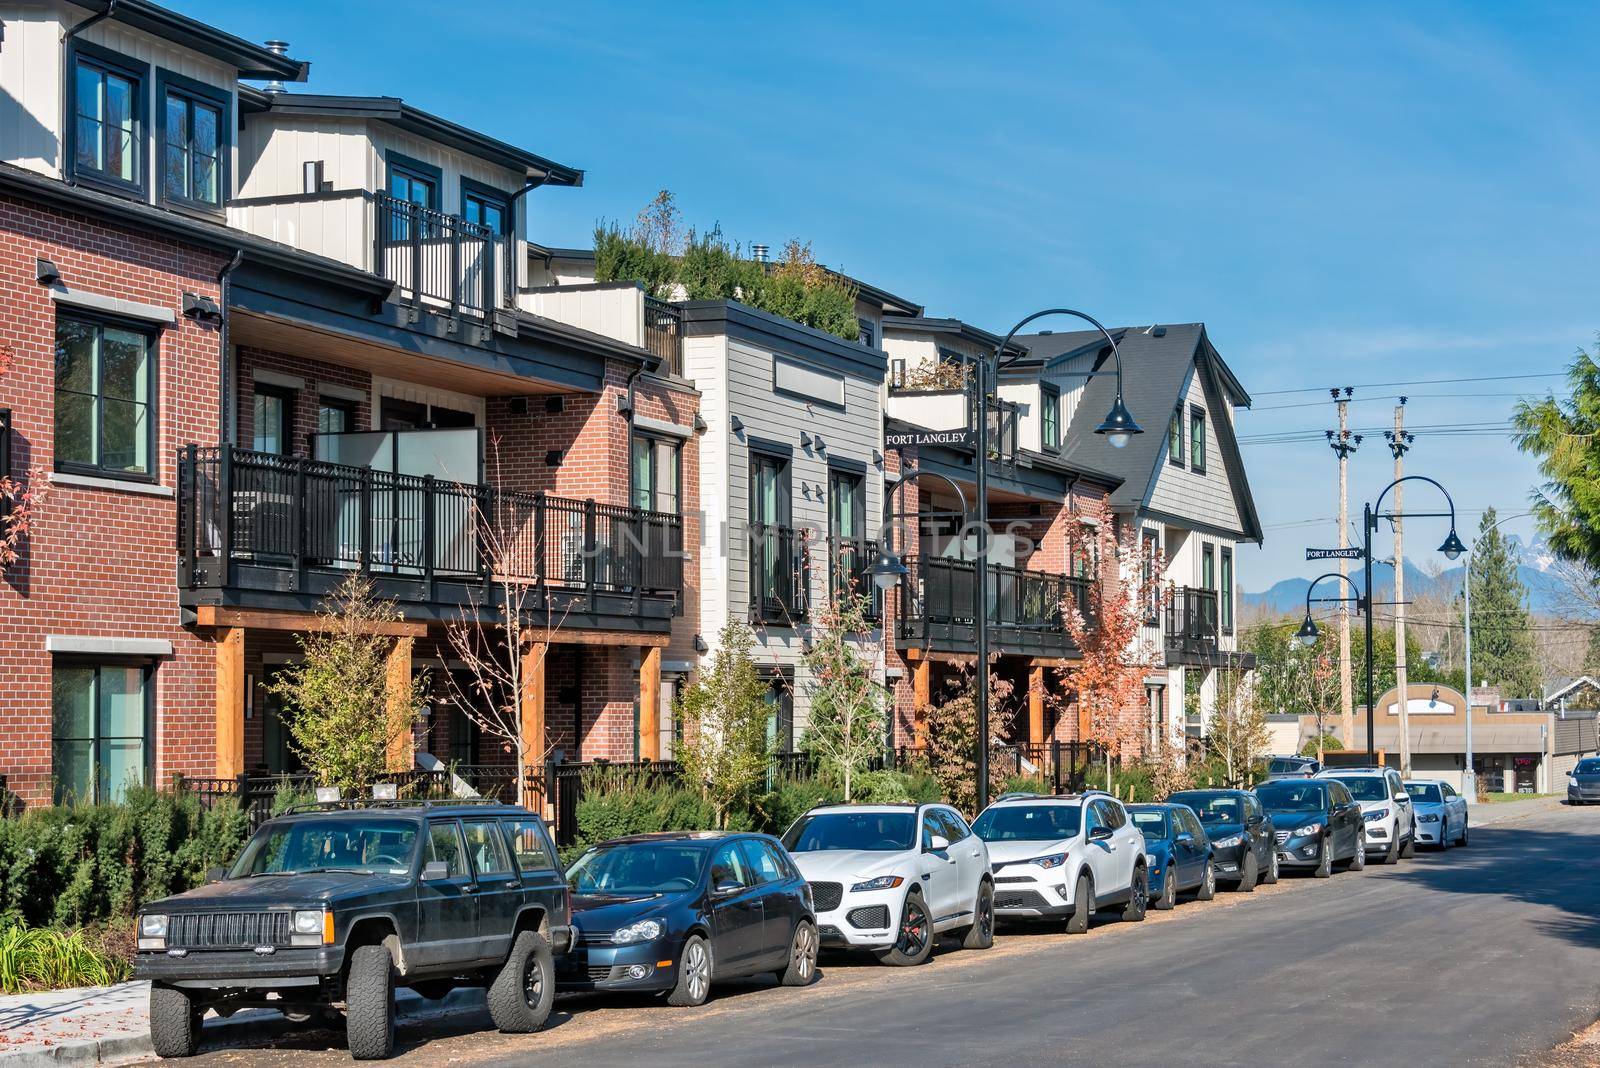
point(1583, 782)
point(1391, 826)
point(343, 903)
point(1292, 767)
point(1065, 857)
point(1318, 824)
point(892, 878)
point(1177, 854)
point(1243, 849)
point(676, 912)
point(1441, 812)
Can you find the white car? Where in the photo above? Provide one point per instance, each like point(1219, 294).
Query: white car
point(1391, 823)
point(892, 878)
point(1064, 857)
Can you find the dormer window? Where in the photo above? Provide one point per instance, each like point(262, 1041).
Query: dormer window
point(485, 207)
point(108, 92)
point(1050, 417)
point(194, 143)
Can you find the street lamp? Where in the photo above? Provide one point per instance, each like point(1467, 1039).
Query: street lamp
point(888, 569)
point(1307, 634)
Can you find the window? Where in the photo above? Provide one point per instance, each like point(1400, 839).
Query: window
point(866, 332)
point(444, 845)
point(656, 465)
point(846, 529)
point(780, 714)
point(487, 848)
point(1208, 568)
point(530, 847)
point(762, 861)
point(100, 733)
point(1225, 591)
point(335, 416)
point(485, 207)
point(955, 827)
point(776, 589)
point(1175, 438)
point(270, 419)
point(105, 398)
point(193, 137)
point(411, 182)
point(728, 866)
point(463, 737)
point(1050, 417)
point(1197, 440)
point(1148, 577)
point(930, 827)
point(108, 118)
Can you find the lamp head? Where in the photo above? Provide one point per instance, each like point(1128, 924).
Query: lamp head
point(1452, 546)
point(1307, 634)
point(1119, 426)
point(887, 570)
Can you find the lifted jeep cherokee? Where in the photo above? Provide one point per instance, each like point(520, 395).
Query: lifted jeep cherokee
point(334, 906)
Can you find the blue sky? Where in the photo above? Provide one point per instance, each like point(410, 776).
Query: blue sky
point(1344, 194)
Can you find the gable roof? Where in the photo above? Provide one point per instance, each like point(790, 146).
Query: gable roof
point(1158, 364)
point(250, 59)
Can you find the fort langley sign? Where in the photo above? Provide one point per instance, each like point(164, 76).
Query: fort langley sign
point(962, 438)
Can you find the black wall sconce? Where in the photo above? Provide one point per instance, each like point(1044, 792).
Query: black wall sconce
point(47, 272)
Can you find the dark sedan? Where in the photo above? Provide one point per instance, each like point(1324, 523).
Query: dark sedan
point(1244, 851)
point(1318, 824)
point(676, 912)
point(1177, 854)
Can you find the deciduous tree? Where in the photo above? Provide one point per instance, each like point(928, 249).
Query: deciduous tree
point(845, 729)
point(952, 727)
point(723, 718)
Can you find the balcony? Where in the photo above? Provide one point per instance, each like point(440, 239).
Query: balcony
point(663, 333)
point(938, 606)
point(780, 575)
point(1191, 626)
point(277, 532)
point(850, 571)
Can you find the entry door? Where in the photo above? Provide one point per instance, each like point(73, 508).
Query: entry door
point(499, 890)
point(447, 909)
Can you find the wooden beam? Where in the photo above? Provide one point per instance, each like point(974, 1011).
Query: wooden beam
point(921, 689)
point(650, 704)
point(612, 638)
point(1036, 706)
point(210, 615)
point(397, 689)
point(531, 702)
point(1050, 662)
point(230, 702)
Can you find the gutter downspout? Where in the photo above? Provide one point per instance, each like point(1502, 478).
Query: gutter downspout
point(66, 98)
point(73, 31)
point(513, 263)
point(225, 429)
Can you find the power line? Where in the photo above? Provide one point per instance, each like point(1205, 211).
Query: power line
point(1412, 382)
point(1365, 400)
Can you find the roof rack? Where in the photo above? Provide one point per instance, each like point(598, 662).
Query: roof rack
point(351, 804)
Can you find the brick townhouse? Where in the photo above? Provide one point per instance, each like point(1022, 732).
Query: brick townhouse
point(263, 340)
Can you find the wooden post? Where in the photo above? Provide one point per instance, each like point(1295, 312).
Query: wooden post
point(397, 685)
point(532, 703)
point(1036, 706)
point(650, 704)
point(921, 687)
point(230, 702)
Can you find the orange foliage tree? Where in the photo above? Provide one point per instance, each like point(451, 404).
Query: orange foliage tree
point(1116, 654)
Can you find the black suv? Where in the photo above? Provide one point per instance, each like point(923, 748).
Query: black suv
point(339, 904)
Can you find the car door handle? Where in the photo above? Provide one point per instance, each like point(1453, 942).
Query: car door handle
point(470, 888)
point(926, 876)
point(976, 854)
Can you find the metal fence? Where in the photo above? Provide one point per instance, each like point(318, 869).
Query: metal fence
point(258, 794)
point(438, 259)
point(938, 590)
point(1063, 765)
point(663, 333)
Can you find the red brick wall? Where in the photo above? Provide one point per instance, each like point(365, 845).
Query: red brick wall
point(101, 562)
point(303, 422)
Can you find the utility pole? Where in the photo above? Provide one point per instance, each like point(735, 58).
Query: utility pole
point(1400, 444)
point(1343, 444)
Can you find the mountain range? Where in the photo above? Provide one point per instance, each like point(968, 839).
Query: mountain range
point(1287, 597)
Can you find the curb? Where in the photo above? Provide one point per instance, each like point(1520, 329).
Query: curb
point(219, 1033)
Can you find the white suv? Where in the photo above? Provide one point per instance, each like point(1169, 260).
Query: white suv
point(1391, 824)
point(1065, 857)
point(892, 878)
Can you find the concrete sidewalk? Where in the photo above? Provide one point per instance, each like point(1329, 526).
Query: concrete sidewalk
point(105, 1024)
point(1489, 813)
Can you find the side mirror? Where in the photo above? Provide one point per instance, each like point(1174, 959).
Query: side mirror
point(938, 844)
point(1100, 834)
point(216, 875)
point(1185, 837)
point(726, 888)
point(1402, 799)
point(435, 870)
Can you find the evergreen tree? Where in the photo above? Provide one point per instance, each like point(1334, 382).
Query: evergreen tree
point(1591, 658)
point(1503, 652)
point(1564, 434)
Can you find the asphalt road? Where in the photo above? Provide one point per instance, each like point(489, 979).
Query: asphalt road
point(1483, 956)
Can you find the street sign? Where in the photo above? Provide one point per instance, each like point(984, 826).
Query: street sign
point(963, 438)
point(1352, 553)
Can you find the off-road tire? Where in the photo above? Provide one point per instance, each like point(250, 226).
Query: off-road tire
point(1138, 896)
point(980, 935)
point(687, 993)
point(1249, 874)
point(369, 1001)
point(1208, 883)
point(174, 1022)
point(524, 989)
point(802, 967)
point(1082, 905)
point(906, 954)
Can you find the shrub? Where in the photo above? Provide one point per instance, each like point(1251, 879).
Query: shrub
point(789, 799)
point(38, 958)
point(1028, 784)
point(618, 802)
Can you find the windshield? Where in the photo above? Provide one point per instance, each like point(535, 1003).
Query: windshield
point(1027, 823)
point(1424, 791)
point(369, 846)
point(1213, 809)
point(1288, 795)
point(1152, 821)
point(1366, 787)
point(634, 869)
point(1587, 767)
point(879, 832)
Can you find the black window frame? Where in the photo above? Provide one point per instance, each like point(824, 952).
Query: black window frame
point(349, 408)
point(487, 194)
point(866, 332)
point(781, 459)
point(106, 60)
point(1225, 583)
point(1208, 562)
point(1150, 543)
point(416, 170)
point(170, 83)
point(147, 666)
point(1050, 418)
point(780, 695)
point(1175, 438)
point(288, 396)
point(656, 441)
point(96, 469)
point(1197, 422)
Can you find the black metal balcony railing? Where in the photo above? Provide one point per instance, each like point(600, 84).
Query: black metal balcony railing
point(850, 571)
point(441, 260)
point(943, 593)
point(780, 574)
point(1191, 620)
point(663, 333)
point(298, 515)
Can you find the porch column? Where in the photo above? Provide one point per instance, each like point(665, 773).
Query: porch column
point(230, 702)
point(532, 703)
point(650, 704)
point(397, 687)
point(1036, 705)
point(921, 688)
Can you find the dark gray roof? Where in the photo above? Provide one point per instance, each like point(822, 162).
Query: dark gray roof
point(1157, 363)
point(250, 59)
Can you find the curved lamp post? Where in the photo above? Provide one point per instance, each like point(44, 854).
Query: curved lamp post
point(1307, 634)
point(888, 569)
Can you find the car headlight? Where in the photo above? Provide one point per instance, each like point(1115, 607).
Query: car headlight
point(1228, 842)
point(1150, 859)
point(1428, 817)
point(643, 931)
point(308, 921)
point(311, 927)
point(882, 882)
point(1054, 860)
point(1308, 829)
point(152, 932)
point(1377, 814)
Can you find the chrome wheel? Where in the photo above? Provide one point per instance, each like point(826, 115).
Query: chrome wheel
point(913, 928)
point(697, 966)
point(805, 950)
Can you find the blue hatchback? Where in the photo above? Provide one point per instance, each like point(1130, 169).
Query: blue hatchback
point(1178, 854)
